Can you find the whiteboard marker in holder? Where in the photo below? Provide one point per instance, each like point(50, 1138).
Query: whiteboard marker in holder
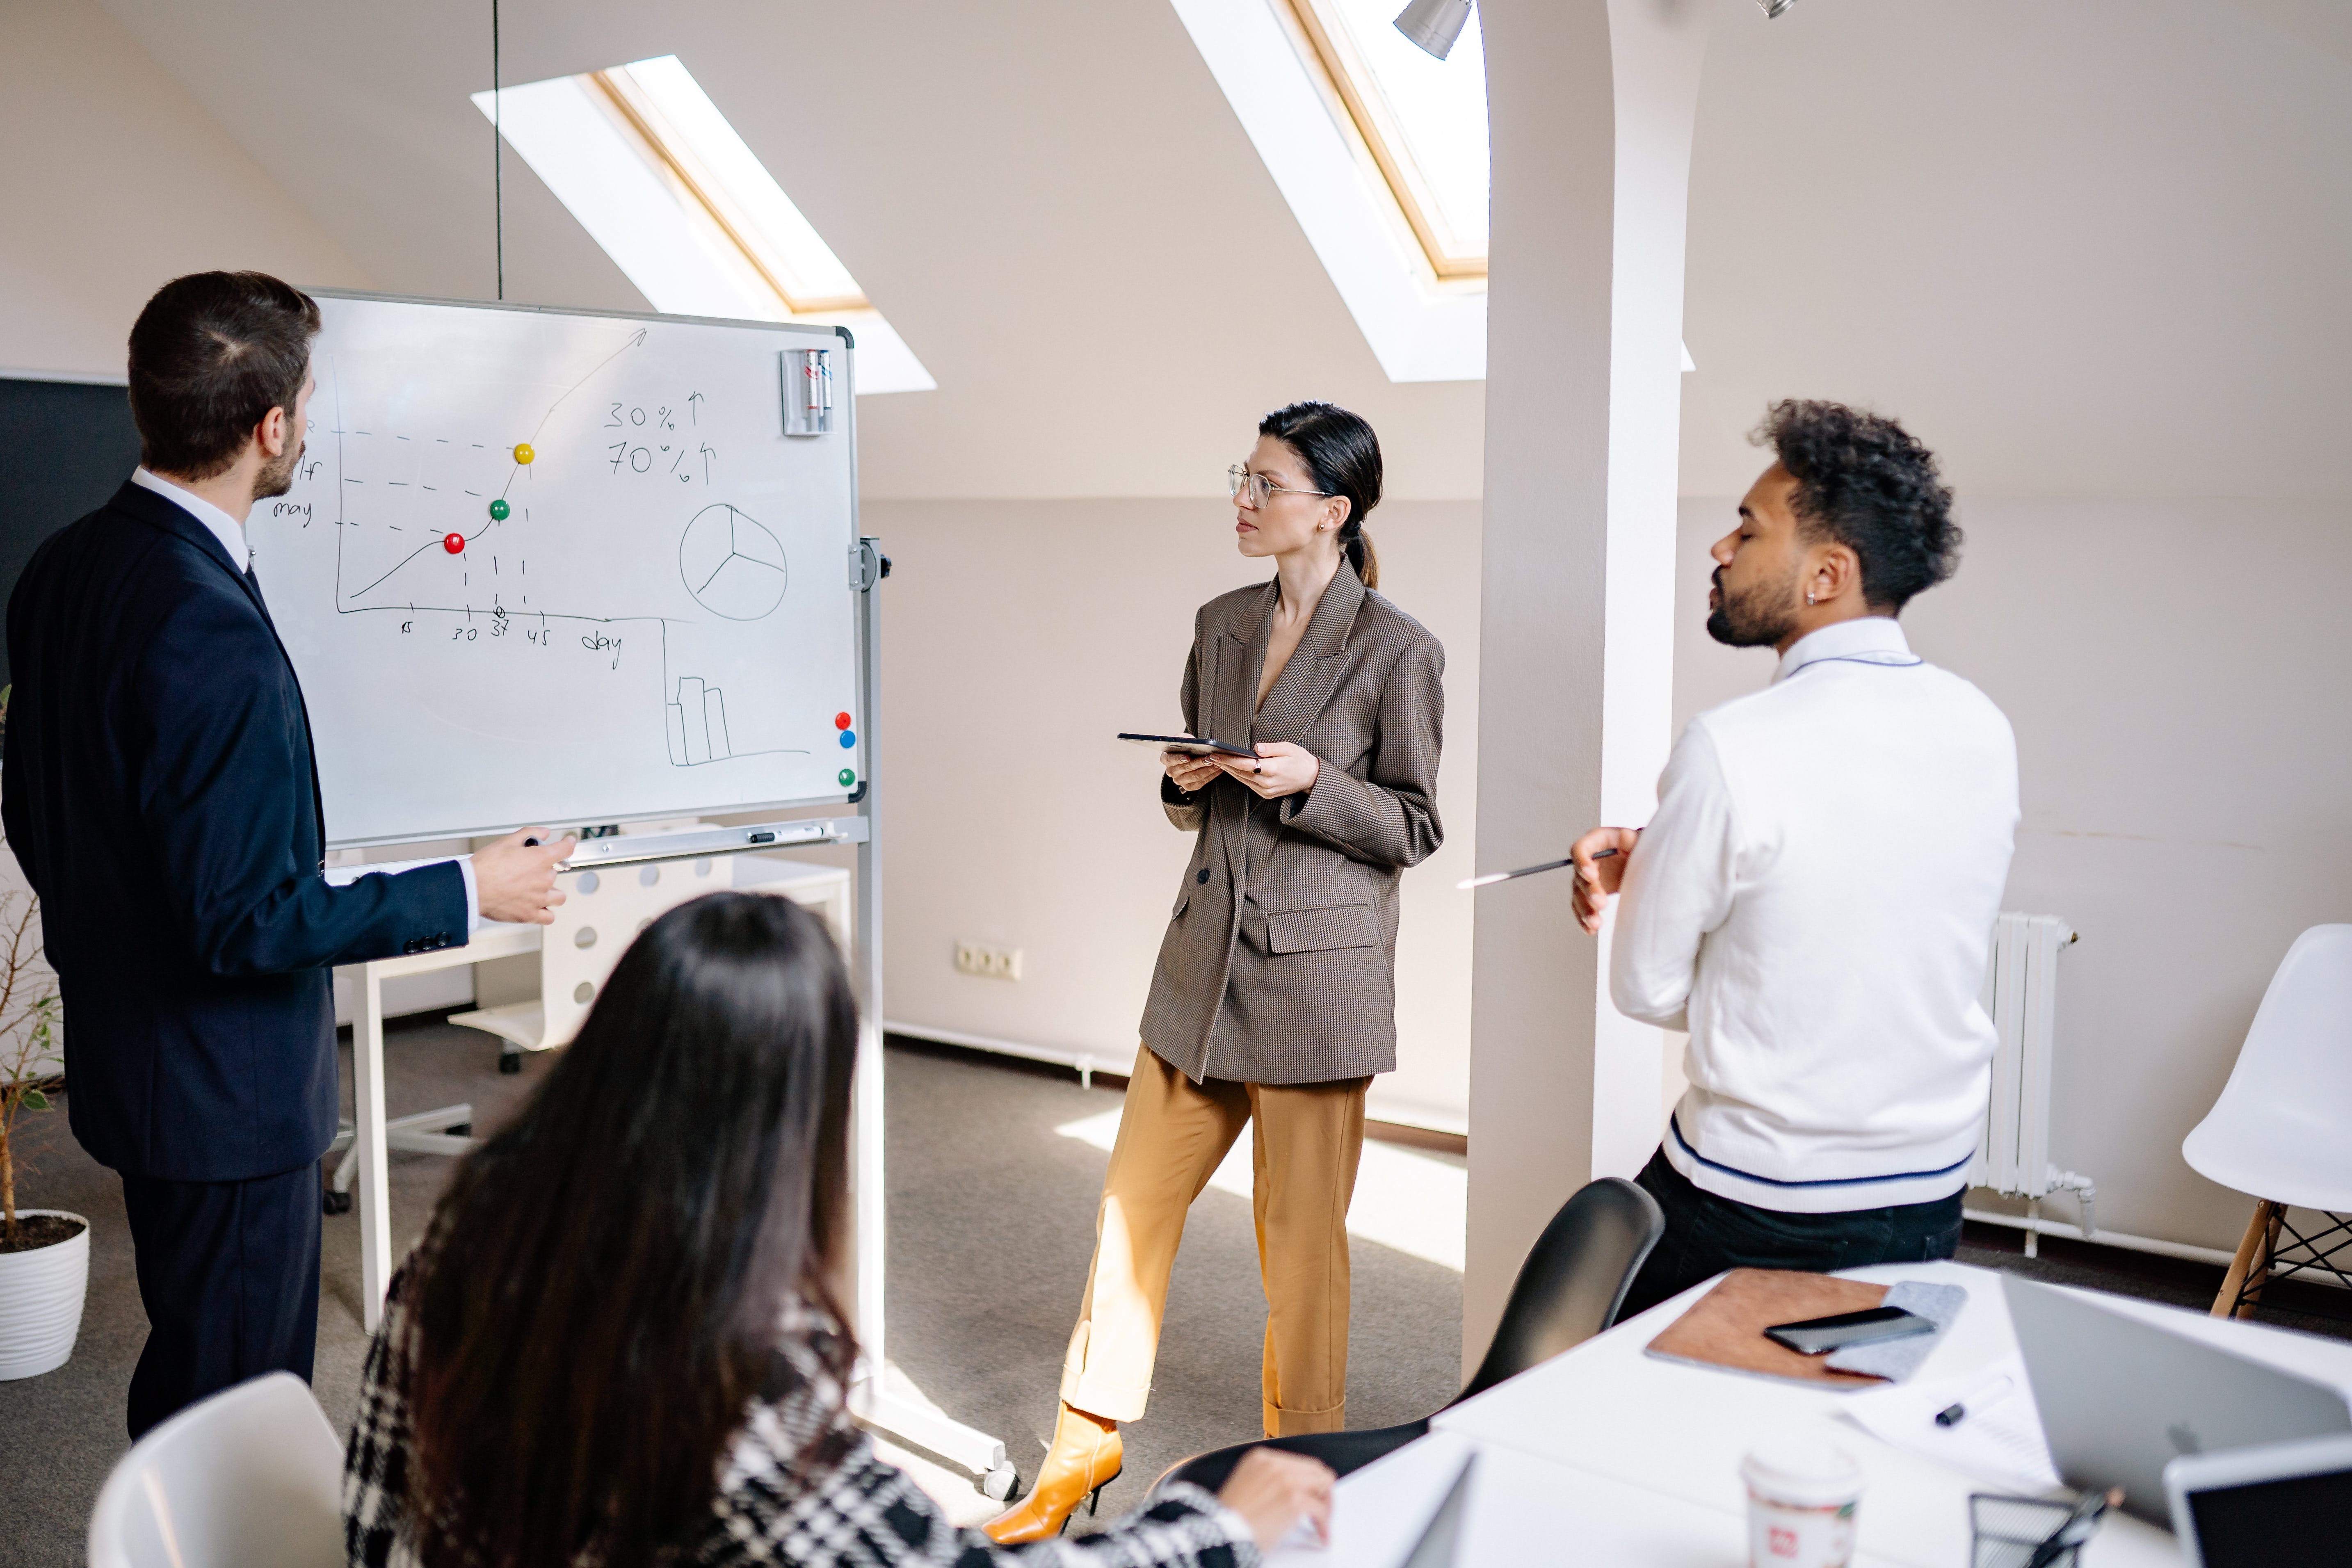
point(808, 391)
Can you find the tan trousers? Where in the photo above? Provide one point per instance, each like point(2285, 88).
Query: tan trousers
point(1172, 1135)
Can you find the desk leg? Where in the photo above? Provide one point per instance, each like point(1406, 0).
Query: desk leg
point(367, 1148)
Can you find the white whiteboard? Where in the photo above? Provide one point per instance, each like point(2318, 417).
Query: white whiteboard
point(662, 624)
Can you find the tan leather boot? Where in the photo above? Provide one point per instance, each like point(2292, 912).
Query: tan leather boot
point(1084, 1459)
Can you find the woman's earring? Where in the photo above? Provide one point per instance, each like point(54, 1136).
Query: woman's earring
point(1809, 598)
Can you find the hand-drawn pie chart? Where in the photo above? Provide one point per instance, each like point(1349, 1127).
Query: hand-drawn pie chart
point(732, 565)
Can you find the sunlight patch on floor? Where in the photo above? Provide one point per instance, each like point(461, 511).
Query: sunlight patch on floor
point(1405, 1199)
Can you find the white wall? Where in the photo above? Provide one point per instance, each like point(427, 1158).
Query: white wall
point(115, 182)
point(2180, 676)
point(1018, 638)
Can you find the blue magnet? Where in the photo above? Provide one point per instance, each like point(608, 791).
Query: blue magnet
point(848, 739)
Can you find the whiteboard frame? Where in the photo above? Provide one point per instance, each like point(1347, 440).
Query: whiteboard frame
point(846, 407)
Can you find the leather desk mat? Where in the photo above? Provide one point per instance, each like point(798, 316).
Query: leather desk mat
point(1725, 1328)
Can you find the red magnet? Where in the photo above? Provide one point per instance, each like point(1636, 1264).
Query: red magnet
point(841, 721)
point(453, 542)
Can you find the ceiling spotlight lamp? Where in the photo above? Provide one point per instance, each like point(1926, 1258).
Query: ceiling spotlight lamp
point(1772, 8)
point(1433, 24)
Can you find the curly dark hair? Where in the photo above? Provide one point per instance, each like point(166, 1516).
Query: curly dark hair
point(1871, 485)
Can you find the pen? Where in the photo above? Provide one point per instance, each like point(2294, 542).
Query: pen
point(2076, 1527)
point(1527, 870)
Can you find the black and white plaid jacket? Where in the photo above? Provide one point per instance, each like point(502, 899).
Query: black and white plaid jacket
point(856, 1511)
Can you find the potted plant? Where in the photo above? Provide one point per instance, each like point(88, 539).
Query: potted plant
point(44, 1253)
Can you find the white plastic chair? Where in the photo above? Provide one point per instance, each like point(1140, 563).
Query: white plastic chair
point(251, 1477)
point(2282, 1130)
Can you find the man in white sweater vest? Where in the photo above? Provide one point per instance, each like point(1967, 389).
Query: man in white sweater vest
point(1814, 898)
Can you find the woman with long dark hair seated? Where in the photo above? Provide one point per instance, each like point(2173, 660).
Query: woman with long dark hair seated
point(617, 1344)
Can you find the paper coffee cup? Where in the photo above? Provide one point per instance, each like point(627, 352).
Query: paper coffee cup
point(1802, 1497)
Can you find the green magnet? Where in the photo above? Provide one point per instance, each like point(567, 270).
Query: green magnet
point(497, 511)
point(848, 776)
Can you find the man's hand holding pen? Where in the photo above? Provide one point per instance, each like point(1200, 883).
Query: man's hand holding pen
point(1600, 867)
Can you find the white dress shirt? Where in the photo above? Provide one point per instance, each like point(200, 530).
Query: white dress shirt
point(1814, 902)
point(231, 534)
point(225, 527)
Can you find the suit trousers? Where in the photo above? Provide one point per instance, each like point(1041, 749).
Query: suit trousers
point(1707, 1233)
point(228, 1272)
point(1173, 1133)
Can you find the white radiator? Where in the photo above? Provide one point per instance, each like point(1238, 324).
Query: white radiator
point(2021, 995)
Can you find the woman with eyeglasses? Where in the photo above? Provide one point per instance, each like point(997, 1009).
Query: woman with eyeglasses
point(1275, 997)
point(618, 1344)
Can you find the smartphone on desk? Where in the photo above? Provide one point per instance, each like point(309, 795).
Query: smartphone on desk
point(1819, 1336)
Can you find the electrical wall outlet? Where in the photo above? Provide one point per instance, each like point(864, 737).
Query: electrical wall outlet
point(988, 962)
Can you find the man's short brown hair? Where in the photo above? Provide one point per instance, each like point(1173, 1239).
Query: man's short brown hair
point(210, 356)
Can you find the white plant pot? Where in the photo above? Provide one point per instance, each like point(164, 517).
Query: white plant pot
point(40, 1301)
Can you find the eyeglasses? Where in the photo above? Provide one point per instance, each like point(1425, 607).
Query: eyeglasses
point(1240, 482)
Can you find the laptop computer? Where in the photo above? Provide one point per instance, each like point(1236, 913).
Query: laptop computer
point(2277, 1506)
point(2121, 1397)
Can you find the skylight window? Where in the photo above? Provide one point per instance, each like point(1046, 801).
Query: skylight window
point(643, 158)
point(1422, 119)
point(1383, 162)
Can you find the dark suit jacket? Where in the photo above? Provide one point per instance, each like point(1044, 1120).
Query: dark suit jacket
point(1279, 964)
point(160, 792)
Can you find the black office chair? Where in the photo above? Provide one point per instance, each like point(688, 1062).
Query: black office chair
point(1569, 1290)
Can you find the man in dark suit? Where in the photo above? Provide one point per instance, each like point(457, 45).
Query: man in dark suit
point(161, 794)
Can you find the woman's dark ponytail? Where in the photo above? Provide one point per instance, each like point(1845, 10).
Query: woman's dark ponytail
point(1344, 456)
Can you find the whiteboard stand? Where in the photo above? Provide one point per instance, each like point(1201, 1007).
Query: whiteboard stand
point(870, 1399)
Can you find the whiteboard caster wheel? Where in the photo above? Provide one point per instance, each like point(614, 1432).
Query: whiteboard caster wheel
point(510, 1063)
point(1002, 1484)
point(336, 1203)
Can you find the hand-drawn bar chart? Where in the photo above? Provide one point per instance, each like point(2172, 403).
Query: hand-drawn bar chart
point(698, 723)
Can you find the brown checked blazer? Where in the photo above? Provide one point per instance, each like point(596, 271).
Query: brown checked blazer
point(1279, 964)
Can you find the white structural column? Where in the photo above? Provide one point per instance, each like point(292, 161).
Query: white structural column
point(1592, 104)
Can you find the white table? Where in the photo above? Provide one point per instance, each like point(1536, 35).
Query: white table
point(1606, 1455)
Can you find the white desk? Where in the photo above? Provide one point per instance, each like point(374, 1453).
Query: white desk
point(1606, 1455)
point(1523, 1510)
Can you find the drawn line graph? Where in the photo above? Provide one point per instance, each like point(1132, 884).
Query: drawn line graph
point(635, 340)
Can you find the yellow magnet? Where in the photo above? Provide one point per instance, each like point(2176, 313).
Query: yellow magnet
point(523, 454)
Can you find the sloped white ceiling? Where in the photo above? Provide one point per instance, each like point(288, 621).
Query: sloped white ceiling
point(2097, 248)
point(1049, 199)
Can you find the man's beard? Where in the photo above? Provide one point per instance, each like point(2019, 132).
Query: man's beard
point(1758, 618)
point(277, 476)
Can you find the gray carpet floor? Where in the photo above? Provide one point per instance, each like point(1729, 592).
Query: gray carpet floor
point(991, 1225)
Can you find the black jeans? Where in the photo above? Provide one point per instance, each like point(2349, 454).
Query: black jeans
point(228, 1272)
point(1707, 1235)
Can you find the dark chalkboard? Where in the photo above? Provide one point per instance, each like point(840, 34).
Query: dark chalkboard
point(70, 445)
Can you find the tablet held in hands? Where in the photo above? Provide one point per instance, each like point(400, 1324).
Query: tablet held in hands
point(1189, 743)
